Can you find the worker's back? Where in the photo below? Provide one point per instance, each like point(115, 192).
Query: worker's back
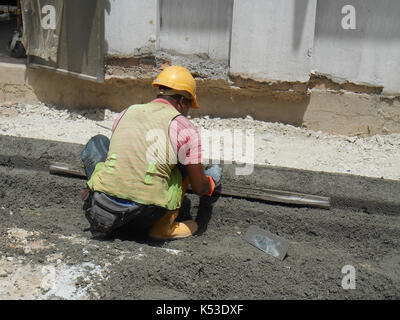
point(141, 163)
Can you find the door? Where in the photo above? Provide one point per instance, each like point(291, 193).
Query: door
point(66, 36)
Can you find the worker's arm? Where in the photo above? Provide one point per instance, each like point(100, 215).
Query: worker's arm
point(185, 139)
point(204, 182)
point(198, 180)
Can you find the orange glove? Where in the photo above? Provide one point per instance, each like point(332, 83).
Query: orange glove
point(212, 184)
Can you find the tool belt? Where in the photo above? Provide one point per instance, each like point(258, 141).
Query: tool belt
point(104, 214)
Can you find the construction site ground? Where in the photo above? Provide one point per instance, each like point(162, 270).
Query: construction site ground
point(47, 252)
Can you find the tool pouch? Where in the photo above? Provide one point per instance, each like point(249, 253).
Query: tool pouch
point(105, 214)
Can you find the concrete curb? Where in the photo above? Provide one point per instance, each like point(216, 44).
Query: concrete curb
point(370, 195)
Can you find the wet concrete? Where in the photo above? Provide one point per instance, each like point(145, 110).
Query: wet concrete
point(362, 229)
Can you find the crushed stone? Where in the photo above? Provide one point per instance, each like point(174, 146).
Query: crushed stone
point(274, 144)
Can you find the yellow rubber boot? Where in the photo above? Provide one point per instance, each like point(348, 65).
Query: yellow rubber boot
point(167, 229)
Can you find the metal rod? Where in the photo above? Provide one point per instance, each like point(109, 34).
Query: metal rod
point(66, 169)
point(105, 127)
point(256, 193)
point(276, 196)
point(63, 71)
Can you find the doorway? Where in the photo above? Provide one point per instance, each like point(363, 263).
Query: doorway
point(11, 48)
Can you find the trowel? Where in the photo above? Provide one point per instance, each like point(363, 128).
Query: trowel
point(267, 242)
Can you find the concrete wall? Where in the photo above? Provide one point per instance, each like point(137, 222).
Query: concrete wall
point(193, 26)
point(184, 26)
point(272, 40)
point(369, 54)
point(130, 26)
point(267, 40)
point(346, 113)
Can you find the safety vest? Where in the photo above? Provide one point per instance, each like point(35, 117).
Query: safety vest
point(141, 162)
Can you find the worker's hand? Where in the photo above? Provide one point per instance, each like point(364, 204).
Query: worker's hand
point(215, 172)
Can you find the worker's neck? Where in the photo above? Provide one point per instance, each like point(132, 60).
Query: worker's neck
point(172, 102)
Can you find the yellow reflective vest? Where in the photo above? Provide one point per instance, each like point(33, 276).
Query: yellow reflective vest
point(141, 162)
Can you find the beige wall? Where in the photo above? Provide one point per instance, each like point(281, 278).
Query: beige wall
point(339, 111)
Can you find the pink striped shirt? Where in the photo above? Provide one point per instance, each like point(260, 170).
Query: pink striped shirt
point(183, 135)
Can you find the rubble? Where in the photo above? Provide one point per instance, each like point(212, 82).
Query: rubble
point(276, 144)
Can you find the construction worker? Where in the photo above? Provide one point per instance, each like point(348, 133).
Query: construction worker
point(153, 154)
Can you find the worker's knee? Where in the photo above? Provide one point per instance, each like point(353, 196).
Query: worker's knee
point(95, 151)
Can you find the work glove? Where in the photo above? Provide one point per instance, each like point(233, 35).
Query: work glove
point(215, 173)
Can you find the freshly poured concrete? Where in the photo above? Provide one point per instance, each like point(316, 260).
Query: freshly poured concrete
point(45, 234)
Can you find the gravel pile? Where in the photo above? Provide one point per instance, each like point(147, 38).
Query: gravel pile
point(274, 144)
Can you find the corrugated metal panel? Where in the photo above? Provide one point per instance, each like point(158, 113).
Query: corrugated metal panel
point(75, 47)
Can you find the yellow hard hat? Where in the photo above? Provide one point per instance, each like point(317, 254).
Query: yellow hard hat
point(178, 78)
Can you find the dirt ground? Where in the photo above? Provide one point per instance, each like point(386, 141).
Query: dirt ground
point(46, 250)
